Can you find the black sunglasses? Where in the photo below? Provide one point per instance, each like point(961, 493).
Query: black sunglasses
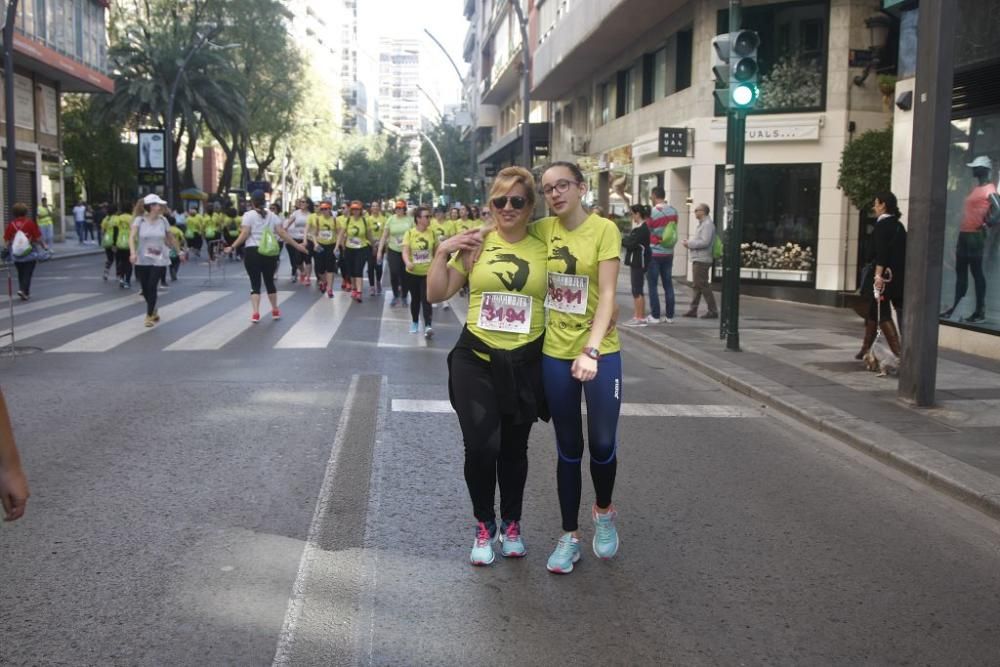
point(517, 203)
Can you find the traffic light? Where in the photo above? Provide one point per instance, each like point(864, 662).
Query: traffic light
point(743, 69)
point(720, 68)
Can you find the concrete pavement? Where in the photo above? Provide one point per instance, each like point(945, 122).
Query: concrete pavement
point(798, 358)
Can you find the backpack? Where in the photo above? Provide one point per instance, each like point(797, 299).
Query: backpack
point(20, 246)
point(268, 244)
point(717, 249)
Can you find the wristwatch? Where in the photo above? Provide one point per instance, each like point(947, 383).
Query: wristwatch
point(592, 352)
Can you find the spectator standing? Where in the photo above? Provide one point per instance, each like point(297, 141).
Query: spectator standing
point(45, 222)
point(80, 219)
point(700, 246)
point(662, 225)
point(638, 258)
point(88, 224)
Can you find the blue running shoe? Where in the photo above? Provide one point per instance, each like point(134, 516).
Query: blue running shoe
point(511, 544)
point(605, 534)
point(482, 548)
point(566, 553)
point(413, 327)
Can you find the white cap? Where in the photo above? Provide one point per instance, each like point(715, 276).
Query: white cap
point(981, 161)
point(153, 198)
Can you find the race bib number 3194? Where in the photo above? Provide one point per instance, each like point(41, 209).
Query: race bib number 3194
point(502, 311)
point(567, 293)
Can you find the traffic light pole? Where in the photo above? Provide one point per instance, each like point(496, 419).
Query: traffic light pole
point(735, 148)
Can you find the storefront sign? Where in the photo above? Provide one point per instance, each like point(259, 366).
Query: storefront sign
point(673, 142)
point(770, 131)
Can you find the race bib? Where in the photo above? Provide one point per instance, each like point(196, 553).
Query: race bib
point(503, 311)
point(153, 251)
point(325, 235)
point(353, 242)
point(421, 256)
point(567, 294)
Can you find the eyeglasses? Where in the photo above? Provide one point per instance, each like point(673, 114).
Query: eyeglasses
point(561, 186)
point(517, 203)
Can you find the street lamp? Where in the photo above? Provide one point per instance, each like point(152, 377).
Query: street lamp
point(522, 21)
point(168, 148)
point(878, 28)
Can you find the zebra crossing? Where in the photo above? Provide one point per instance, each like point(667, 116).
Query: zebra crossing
point(313, 327)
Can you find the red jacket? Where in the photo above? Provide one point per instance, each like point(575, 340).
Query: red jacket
point(26, 225)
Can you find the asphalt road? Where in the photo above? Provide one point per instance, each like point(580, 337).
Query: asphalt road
point(214, 493)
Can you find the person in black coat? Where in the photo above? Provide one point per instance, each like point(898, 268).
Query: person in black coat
point(637, 257)
point(885, 273)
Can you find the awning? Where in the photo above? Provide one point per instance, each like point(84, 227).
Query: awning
point(75, 77)
point(193, 193)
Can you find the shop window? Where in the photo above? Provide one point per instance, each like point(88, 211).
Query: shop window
point(792, 54)
point(781, 229)
point(646, 183)
point(970, 285)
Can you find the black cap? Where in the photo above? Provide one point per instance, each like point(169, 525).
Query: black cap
point(258, 196)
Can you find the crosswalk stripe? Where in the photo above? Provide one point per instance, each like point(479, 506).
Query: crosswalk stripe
point(220, 331)
point(627, 409)
point(54, 322)
point(316, 328)
point(116, 334)
point(60, 300)
point(394, 329)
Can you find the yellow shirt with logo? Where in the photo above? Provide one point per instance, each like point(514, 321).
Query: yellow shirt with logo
point(511, 274)
point(356, 233)
point(571, 302)
point(325, 229)
point(376, 223)
point(465, 225)
point(442, 229)
point(422, 245)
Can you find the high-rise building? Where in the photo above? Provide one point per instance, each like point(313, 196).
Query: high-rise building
point(353, 108)
point(398, 94)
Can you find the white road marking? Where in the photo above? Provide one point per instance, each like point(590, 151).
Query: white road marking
point(69, 318)
point(627, 409)
point(220, 331)
point(113, 336)
point(283, 652)
point(31, 306)
point(394, 329)
point(317, 327)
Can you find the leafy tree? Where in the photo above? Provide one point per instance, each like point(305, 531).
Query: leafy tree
point(866, 167)
point(455, 154)
point(371, 169)
point(101, 161)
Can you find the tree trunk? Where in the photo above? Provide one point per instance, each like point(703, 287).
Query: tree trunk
point(192, 144)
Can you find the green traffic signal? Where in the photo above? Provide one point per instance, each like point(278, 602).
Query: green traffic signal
point(745, 95)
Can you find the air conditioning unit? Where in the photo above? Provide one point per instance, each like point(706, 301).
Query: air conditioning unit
point(579, 145)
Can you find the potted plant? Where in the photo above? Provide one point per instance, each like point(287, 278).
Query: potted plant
point(887, 86)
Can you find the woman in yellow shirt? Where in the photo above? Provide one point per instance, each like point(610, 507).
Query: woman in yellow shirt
point(418, 245)
point(355, 242)
point(323, 234)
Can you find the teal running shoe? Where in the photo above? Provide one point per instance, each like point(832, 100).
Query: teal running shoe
point(566, 553)
point(413, 327)
point(482, 547)
point(605, 535)
point(511, 544)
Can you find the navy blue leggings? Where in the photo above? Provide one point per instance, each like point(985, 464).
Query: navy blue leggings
point(603, 396)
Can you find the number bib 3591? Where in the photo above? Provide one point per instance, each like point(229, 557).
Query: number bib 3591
point(502, 311)
point(567, 294)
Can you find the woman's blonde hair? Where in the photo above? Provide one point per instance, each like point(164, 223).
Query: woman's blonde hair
point(139, 209)
point(511, 176)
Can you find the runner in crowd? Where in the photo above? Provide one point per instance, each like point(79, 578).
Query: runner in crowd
point(391, 246)
point(345, 274)
point(495, 369)
point(418, 246)
point(259, 233)
point(178, 253)
point(123, 230)
point(109, 224)
point(323, 233)
point(355, 242)
point(581, 354)
point(211, 224)
point(296, 225)
point(193, 231)
point(149, 243)
point(376, 221)
point(231, 229)
point(24, 259)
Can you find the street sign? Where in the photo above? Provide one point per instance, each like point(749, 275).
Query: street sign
point(673, 142)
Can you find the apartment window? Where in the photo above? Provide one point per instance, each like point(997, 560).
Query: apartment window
point(654, 76)
point(792, 54)
point(626, 88)
point(605, 94)
point(40, 26)
point(79, 32)
point(685, 56)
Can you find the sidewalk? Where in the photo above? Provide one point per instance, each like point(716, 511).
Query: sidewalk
point(799, 359)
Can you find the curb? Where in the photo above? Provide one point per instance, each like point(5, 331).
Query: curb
point(963, 482)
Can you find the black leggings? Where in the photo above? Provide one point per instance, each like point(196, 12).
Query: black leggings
point(260, 267)
point(397, 274)
point(374, 270)
point(496, 449)
point(149, 277)
point(123, 267)
point(294, 258)
point(24, 271)
point(969, 259)
point(109, 258)
point(418, 297)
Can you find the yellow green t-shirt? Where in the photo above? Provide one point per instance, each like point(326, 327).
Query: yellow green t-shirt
point(193, 223)
point(341, 223)
point(422, 245)
point(375, 225)
point(442, 229)
point(572, 282)
point(123, 221)
point(325, 229)
point(356, 233)
point(465, 225)
point(178, 235)
point(507, 288)
point(398, 226)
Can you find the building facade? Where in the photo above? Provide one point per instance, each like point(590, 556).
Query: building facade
point(60, 46)
point(399, 90)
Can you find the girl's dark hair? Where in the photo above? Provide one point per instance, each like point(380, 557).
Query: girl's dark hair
point(641, 209)
point(420, 210)
point(572, 166)
point(891, 205)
